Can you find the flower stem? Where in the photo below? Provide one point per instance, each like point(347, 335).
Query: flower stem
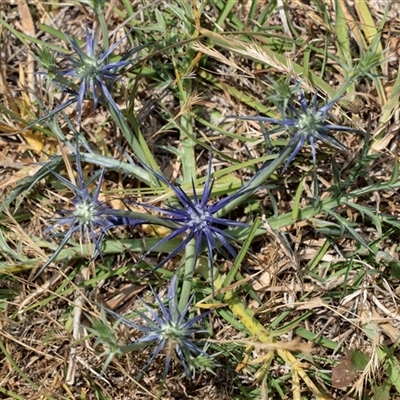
point(259, 179)
point(189, 173)
point(190, 265)
point(103, 28)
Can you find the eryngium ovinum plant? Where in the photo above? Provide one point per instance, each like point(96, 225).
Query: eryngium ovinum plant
point(87, 74)
point(196, 218)
point(170, 331)
point(87, 215)
point(310, 123)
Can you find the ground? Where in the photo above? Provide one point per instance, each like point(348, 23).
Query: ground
point(301, 291)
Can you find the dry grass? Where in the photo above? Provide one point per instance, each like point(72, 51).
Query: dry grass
point(311, 313)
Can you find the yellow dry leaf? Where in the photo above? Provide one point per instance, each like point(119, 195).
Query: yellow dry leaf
point(209, 306)
point(34, 141)
point(160, 231)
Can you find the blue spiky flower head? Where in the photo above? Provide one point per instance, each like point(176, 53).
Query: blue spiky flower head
point(197, 218)
point(310, 123)
point(93, 71)
point(89, 217)
point(169, 329)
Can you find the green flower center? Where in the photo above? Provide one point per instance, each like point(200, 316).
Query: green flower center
point(171, 331)
point(308, 123)
point(85, 212)
point(90, 68)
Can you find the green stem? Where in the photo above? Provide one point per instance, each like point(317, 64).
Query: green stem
point(104, 29)
point(186, 132)
point(258, 180)
point(190, 265)
point(189, 173)
point(348, 83)
point(134, 346)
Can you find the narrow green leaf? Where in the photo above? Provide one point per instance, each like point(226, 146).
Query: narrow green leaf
point(343, 42)
point(297, 199)
point(242, 253)
point(228, 6)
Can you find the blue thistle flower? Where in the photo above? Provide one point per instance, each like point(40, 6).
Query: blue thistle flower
point(93, 70)
point(169, 329)
point(197, 219)
point(89, 216)
point(308, 124)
